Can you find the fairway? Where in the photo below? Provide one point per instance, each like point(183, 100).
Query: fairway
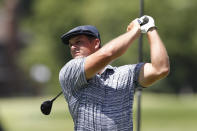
point(160, 112)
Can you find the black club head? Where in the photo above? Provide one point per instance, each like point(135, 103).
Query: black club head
point(46, 107)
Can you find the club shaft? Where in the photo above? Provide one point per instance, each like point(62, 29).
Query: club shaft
point(56, 96)
point(140, 59)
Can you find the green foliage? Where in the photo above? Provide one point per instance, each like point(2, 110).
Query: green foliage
point(175, 20)
point(176, 24)
point(48, 21)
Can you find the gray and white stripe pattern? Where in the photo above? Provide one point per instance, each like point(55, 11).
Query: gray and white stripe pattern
point(103, 103)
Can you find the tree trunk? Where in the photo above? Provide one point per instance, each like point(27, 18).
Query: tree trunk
point(12, 80)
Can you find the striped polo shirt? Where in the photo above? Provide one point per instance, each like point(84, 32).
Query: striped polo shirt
point(103, 103)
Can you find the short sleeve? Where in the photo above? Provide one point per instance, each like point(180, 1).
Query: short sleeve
point(72, 75)
point(136, 74)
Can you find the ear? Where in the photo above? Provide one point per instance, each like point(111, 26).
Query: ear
point(97, 44)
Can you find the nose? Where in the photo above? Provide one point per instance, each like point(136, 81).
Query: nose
point(73, 46)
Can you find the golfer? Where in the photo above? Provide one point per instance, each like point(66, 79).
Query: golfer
point(99, 96)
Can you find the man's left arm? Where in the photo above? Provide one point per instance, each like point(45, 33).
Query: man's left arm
point(159, 66)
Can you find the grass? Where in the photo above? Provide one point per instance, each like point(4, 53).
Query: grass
point(23, 114)
point(169, 112)
point(159, 113)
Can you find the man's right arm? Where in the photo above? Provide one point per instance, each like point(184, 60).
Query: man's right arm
point(113, 49)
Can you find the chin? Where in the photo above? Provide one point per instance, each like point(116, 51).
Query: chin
point(78, 57)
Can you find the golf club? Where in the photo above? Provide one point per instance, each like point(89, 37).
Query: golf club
point(47, 105)
point(140, 59)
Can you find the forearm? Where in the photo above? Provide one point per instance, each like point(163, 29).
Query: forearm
point(159, 56)
point(119, 45)
point(113, 49)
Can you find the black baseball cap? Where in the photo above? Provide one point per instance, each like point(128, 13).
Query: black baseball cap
point(80, 30)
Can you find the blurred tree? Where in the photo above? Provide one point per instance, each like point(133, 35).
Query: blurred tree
point(1, 128)
point(46, 24)
point(176, 20)
point(12, 80)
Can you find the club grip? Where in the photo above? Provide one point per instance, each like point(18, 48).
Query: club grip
point(144, 21)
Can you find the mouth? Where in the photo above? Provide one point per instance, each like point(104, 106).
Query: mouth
point(75, 53)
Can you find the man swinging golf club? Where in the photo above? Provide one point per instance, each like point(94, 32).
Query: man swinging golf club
point(99, 96)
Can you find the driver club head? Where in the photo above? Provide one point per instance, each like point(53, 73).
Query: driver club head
point(46, 107)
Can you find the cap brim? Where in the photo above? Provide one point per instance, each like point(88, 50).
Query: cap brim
point(66, 37)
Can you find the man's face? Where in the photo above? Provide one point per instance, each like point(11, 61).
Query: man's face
point(81, 46)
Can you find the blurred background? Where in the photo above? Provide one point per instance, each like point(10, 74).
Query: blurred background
point(31, 56)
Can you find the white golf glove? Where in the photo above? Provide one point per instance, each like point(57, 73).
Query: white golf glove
point(146, 26)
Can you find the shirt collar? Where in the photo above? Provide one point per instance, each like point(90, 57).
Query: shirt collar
point(108, 67)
